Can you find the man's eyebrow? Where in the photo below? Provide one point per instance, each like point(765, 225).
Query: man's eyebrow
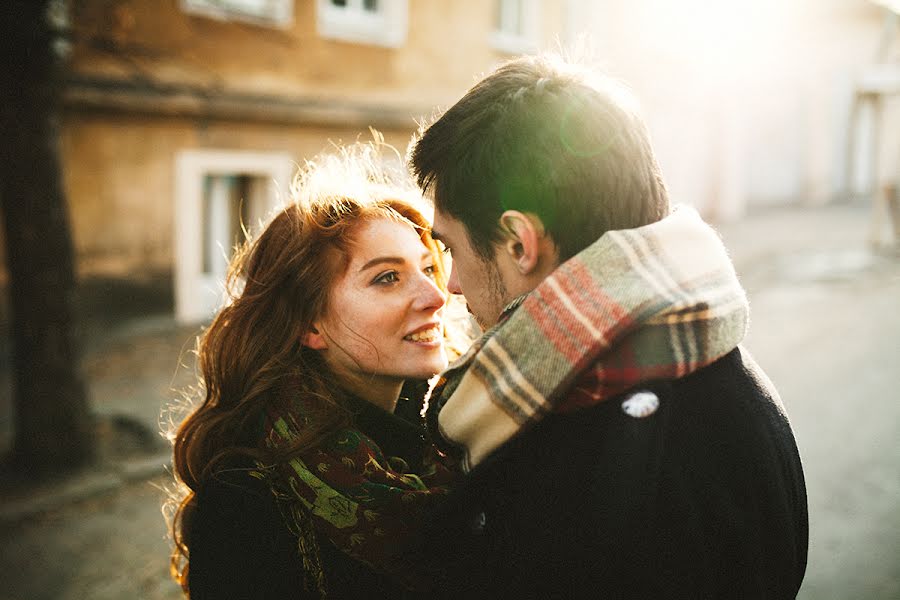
point(436, 236)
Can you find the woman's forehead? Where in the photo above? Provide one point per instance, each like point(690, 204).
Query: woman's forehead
point(385, 236)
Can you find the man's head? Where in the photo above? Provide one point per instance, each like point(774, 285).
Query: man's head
point(531, 166)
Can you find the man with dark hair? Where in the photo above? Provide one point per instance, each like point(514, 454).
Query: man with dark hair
point(618, 441)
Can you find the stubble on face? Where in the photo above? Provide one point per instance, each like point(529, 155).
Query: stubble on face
point(495, 294)
point(478, 277)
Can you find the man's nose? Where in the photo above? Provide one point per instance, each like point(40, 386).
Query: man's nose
point(453, 282)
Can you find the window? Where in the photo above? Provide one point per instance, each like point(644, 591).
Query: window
point(375, 22)
point(217, 194)
point(515, 26)
point(272, 13)
point(230, 203)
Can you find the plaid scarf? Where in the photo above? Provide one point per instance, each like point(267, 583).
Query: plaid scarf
point(365, 503)
point(655, 302)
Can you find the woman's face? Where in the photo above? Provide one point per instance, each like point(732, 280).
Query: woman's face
point(383, 322)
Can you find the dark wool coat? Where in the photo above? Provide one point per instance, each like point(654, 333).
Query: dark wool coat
point(241, 547)
point(703, 498)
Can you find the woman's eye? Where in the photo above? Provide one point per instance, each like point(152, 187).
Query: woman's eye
point(431, 271)
point(389, 277)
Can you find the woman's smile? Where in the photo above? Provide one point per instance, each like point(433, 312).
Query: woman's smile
point(427, 335)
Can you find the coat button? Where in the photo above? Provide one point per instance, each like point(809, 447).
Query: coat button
point(641, 404)
point(478, 522)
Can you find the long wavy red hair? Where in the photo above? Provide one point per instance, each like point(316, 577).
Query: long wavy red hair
point(278, 285)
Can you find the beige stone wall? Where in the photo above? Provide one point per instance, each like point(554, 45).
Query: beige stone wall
point(119, 163)
point(120, 180)
point(446, 47)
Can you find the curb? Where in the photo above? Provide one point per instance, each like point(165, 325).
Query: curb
point(83, 486)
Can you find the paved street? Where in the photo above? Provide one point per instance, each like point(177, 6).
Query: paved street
point(112, 546)
point(825, 326)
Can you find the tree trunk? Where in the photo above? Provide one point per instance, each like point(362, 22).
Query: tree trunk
point(53, 423)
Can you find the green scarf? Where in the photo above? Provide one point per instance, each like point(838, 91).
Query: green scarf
point(655, 302)
point(369, 505)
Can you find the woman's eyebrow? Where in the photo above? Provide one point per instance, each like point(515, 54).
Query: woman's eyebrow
point(392, 260)
point(382, 259)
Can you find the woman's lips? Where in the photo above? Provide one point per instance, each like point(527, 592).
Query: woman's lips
point(432, 334)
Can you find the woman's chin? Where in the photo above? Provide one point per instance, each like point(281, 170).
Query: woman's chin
point(427, 371)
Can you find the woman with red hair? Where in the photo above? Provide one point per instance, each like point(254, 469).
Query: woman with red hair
point(304, 470)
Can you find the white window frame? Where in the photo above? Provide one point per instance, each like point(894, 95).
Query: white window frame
point(523, 42)
point(386, 26)
point(199, 294)
point(276, 13)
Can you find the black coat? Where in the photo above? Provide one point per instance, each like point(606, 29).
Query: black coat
point(704, 498)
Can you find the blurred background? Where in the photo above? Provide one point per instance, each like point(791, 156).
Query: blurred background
point(139, 135)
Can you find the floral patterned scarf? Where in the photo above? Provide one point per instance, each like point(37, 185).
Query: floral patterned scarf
point(346, 489)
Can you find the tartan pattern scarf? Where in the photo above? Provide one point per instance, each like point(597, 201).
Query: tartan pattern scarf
point(655, 302)
point(345, 488)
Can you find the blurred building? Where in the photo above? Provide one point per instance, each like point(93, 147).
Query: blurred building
point(759, 103)
point(184, 117)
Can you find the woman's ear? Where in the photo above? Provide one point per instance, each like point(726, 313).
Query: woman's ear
point(313, 339)
point(522, 240)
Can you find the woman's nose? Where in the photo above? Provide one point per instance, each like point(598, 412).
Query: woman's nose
point(430, 296)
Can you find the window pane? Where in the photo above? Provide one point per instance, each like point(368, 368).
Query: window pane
point(515, 17)
point(252, 7)
point(227, 206)
point(509, 16)
point(275, 12)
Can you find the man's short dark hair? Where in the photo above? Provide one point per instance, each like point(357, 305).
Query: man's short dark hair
point(543, 136)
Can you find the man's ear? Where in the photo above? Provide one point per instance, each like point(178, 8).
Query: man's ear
point(313, 339)
point(522, 239)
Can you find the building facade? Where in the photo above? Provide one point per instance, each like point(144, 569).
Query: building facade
point(184, 118)
point(755, 104)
